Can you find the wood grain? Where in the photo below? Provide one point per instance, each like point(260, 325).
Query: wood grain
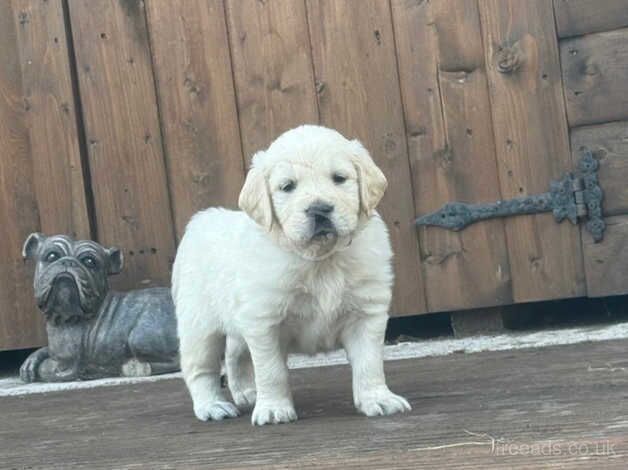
point(452, 152)
point(532, 143)
point(197, 104)
point(609, 143)
point(272, 65)
point(20, 323)
point(126, 158)
point(356, 71)
point(51, 117)
point(606, 262)
point(595, 74)
point(575, 17)
point(473, 411)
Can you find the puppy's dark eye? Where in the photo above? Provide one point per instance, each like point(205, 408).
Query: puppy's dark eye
point(52, 257)
point(288, 186)
point(89, 261)
point(338, 178)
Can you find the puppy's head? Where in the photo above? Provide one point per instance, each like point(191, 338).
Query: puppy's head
point(70, 276)
point(312, 189)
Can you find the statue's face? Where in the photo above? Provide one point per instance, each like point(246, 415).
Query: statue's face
point(70, 275)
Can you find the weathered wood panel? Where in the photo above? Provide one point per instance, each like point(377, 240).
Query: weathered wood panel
point(452, 152)
point(595, 74)
point(20, 325)
point(126, 159)
point(197, 105)
point(354, 61)
point(51, 117)
point(532, 143)
point(575, 17)
point(607, 262)
point(609, 142)
point(272, 65)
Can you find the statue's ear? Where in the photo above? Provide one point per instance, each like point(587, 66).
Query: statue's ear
point(32, 245)
point(115, 260)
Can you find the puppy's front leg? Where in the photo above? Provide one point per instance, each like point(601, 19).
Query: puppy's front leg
point(274, 398)
point(363, 341)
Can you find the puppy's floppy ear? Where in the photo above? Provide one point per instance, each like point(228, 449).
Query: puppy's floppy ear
point(115, 260)
point(32, 244)
point(255, 197)
point(371, 180)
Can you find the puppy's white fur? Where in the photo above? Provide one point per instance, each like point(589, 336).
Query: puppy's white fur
point(262, 280)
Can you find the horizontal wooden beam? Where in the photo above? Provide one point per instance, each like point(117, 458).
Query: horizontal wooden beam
point(576, 17)
point(609, 143)
point(595, 71)
point(606, 263)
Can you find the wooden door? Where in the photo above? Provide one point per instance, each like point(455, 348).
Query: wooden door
point(480, 131)
point(501, 97)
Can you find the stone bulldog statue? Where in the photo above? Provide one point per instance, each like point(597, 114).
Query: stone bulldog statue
point(92, 331)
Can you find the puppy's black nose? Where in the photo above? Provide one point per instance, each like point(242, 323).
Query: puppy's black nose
point(319, 209)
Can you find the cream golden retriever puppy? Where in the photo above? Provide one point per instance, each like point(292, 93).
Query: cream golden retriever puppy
point(306, 267)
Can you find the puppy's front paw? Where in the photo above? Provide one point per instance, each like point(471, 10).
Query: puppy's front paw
point(215, 410)
point(244, 400)
point(382, 402)
point(268, 412)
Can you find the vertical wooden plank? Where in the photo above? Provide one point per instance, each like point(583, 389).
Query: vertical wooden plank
point(532, 144)
point(272, 67)
point(355, 66)
point(451, 147)
point(123, 136)
point(20, 325)
point(52, 121)
point(197, 103)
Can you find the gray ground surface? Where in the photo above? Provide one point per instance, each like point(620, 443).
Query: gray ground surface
point(559, 406)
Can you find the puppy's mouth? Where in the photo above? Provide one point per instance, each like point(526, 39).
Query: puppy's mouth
point(323, 228)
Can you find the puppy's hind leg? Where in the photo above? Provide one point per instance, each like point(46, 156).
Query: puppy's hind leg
point(200, 364)
point(240, 375)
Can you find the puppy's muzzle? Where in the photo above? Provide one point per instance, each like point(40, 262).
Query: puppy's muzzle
point(320, 215)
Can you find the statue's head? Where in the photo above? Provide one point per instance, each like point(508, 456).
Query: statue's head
point(70, 275)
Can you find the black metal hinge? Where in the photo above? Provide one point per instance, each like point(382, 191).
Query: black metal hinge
point(577, 197)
